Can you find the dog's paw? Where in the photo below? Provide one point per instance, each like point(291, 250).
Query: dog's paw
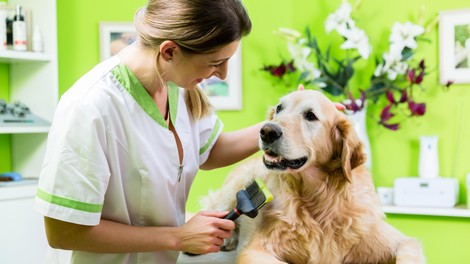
point(231, 243)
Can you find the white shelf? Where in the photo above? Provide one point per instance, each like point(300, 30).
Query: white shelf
point(33, 80)
point(458, 211)
point(23, 129)
point(11, 56)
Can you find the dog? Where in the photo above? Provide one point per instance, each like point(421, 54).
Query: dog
point(325, 209)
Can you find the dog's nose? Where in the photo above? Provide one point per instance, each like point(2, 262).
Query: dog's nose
point(270, 133)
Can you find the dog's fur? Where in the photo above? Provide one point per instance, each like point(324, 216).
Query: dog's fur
point(325, 209)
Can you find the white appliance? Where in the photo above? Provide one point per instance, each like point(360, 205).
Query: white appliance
point(426, 192)
point(428, 157)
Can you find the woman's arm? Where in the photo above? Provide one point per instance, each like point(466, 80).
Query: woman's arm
point(231, 147)
point(204, 233)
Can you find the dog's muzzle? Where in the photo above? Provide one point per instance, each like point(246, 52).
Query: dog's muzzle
point(270, 135)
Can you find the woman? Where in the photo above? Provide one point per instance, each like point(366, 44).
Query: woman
point(128, 138)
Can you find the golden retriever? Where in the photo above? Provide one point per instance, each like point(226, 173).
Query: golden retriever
point(325, 209)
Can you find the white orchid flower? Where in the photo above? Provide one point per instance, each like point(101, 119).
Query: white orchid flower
point(405, 34)
point(357, 39)
point(340, 20)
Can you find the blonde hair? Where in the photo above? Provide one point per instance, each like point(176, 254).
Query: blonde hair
point(198, 27)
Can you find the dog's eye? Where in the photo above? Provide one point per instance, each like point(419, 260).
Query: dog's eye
point(279, 108)
point(310, 116)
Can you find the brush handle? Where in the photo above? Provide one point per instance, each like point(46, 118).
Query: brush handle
point(232, 215)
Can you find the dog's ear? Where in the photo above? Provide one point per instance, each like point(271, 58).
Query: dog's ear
point(348, 147)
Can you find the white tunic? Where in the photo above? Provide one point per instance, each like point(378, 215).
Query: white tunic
point(111, 155)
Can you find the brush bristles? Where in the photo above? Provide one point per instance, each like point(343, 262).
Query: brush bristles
point(258, 193)
point(252, 188)
point(258, 200)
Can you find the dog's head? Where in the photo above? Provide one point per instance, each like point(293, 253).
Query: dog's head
point(306, 130)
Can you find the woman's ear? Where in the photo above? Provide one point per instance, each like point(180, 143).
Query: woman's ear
point(167, 50)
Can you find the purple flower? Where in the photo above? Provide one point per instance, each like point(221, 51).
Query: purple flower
point(449, 83)
point(353, 106)
point(404, 96)
point(420, 77)
point(417, 109)
point(281, 69)
point(390, 97)
point(393, 127)
point(385, 116)
point(421, 65)
point(410, 76)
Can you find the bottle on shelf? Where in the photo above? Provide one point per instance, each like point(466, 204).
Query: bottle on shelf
point(36, 40)
point(19, 30)
point(9, 24)
point(3, 26)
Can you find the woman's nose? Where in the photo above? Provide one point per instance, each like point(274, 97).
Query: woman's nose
point(221, 71)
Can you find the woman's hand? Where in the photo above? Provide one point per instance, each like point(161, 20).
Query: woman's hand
point(205, 232)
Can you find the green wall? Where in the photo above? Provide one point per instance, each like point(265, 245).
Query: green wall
point(395, 154)
point(4, 138)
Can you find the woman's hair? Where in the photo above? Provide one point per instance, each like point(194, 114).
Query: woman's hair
point(197, 26)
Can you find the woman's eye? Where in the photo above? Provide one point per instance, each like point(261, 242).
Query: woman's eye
point(218, 64)
point(310, 116)
point(279, 108)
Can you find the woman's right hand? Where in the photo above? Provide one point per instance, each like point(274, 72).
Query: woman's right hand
point(205, 232)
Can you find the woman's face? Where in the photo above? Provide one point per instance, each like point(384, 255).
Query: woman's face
point(190, 70)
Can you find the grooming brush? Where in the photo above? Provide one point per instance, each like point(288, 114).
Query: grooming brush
point(250, 200)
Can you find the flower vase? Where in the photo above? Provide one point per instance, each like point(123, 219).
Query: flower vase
point(358, 120)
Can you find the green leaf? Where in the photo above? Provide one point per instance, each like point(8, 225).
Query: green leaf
point(406, 54)
point(332, 89)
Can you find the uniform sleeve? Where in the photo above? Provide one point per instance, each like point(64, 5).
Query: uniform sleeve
point(75, 175)
point(210, 129)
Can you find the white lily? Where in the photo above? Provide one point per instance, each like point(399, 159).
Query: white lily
point(357, 39)
point(398, 68)
point(298, 51)
point(340, 20)
point(308, 68)
point(394, 64)
point(405, 34)
point(390, 59)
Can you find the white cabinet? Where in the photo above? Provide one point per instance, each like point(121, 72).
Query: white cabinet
point(33, 80)
point(22, 234)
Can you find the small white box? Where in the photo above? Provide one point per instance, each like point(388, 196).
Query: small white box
point(385, 195)
point(426, 192)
